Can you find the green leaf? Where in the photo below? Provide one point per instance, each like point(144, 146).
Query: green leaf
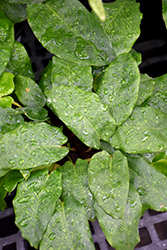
point(122, 24)
point(68, 74)
point(76, 108)
point(71, 32)
point(107, 147)
point(75, 181)
point(6, 40)
point(37, 114)
point(13, 177)
point(98, 73)
point(6, 84)
point(160, 162)
point(26, 173)
point(149, 182)
point(122, 233)
point(32, 145)
point(146, 88)
point(34, 204)
point(164, 12)
point(144, 131)
point(15, 12)
point(19, 63)
point(8, 117)
point(45, 79)
point(98, 8)
point(159, 98)
point(3, 193)
point(6, 101)
point(28, 92)
point(109, 182)
point(68, 228)
point(120, 86)
point(24, 1)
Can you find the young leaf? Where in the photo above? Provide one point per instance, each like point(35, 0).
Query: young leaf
point(6, 40)
point(11, 180)
point(109, 182)
point(32, 145)
point(159, 98)
point(71, 32)
point(122, 233)
point(6, 84)
point(144, 131)
point(68, 228)
point(76, 108)
point(120, 86)
point(122, 24)
point(19, 63)
point(6, 101)
point(67, 73)
point(97, 6)
point(149, 182)
point(28, 92)
point(34, 203)
point(75, 181)
point(146, 88)
point(8, 117)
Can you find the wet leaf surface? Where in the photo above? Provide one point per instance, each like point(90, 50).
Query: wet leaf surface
point(68, 228)
point(32, 145)
point(45, 79)
point(144, 131)
point(120, 86)
point(37, 114)
point(76, 108)
point(122, 233)
point(149, 182)
point(75, 181)
point(34, 203)
point(109, 182)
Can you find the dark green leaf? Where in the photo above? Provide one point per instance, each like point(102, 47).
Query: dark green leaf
point(8, 117)
point(19, 63)
point(75, 181)
point(146, 88)
point(12, 179)
point(122, 24)
point(71, 32)
point(67, 73)
point(165, 11)
point(3, 193)
point(32, 145)
point(34, 203)
point(144, 131)
point(159, 98)
point(120, 86)
point(109, 182)
point(76, 108)
point(98, 73)
point(35, 114)
point(68, 228)
point(149, 182)
point(28, 92)
point(15, 12)
point(107, 147)
point(122, 233)
point(45, 79)
point(6, 40)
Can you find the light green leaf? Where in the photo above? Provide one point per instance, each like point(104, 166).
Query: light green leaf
point(75, 181)
point(68, 74)
point(122, 24)
point(159, 98)
point(109, 182)
point(68, 228)
point(6, 101)
point(34, 204)
point(98, 8)
point(32, 145)
point(122, 233)
point(11, 180)
point(149, 182)
point(71, 32)
point(146, 88)
point(15, 12)
point(26, 173)
point(19, 63)
point(8, 117)
point(120, 86)
point(45, 79)
point(6, 40)
point(160, 162)
point(6, 84)
point(28, 92)
point(76, 108)
point(37, 114)
point(144, 131)
point(24, 1)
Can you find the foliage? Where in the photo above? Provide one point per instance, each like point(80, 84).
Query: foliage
point(93, 89)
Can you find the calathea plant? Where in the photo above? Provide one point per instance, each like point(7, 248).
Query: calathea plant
point(93, 89)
